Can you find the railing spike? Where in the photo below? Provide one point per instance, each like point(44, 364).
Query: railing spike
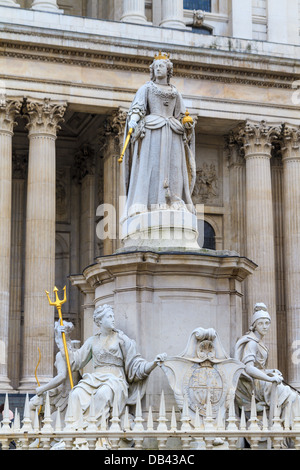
point(243, 425)
point(162, 420)
point(58, 427)
point(47, 422)
point(115, 420)
point(27, 424)
point(173, 421)
point(185, 416)
point(126, 424)
point(150, 426)
point(6, 418)
point(253, 415)
point(208, 420)
point(138, 421)
point(36, 425)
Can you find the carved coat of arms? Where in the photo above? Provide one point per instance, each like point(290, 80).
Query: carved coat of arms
point(203, 370)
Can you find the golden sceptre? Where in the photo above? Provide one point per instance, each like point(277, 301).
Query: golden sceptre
point(126, 144)
point(58, 303)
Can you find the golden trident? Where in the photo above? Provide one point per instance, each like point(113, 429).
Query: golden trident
point(58, 303)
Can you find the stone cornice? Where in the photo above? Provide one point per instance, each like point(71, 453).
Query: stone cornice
point(195, 63)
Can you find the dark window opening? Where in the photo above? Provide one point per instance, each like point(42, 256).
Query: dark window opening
point(204, 5)
point(201, 30)
point(207, 236)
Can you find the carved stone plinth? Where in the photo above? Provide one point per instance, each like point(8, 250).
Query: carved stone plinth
point(159, 299)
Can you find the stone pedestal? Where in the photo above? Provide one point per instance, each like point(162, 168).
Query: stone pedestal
point(167, 230)
point(159, 298)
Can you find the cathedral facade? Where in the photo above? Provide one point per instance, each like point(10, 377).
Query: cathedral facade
point(69, 72)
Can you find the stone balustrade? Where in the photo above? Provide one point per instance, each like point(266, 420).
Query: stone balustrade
point(204, 433)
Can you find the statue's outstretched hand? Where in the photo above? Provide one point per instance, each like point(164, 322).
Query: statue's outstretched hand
point(160, 358)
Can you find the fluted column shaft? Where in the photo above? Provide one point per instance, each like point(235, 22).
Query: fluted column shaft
point(291, 236)
point(134, 11)
point(43, 119)
point(20, 163)
point(172, 14)
point(46, 5)
point(112, 137)
point(8, 111)
point(257, 143)
point(9, 3)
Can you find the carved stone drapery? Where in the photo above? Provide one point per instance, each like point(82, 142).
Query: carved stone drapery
point(43, 119)
point(256, 139)
point(9, 109)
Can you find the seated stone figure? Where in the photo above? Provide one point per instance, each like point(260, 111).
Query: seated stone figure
point(257, 378)
point(119, 371)
point(59, 386)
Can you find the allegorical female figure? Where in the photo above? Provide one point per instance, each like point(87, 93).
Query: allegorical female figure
point(257, 378)
point(119, 371)
point(159, 164)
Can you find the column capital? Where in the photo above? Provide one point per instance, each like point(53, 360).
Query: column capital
point(291, 143)
point(84, 163)
point(257, 137)
point(44, 116)
point(9, 109)
point(111, 134)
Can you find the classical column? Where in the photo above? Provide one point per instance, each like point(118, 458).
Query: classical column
point(237, 185)
point(241, 19)
point(20, 164)
point(9, 108)
point(9, 3)
point(43, 124)
point(111, 141)
point(256, 138)
point(291, 235)
point(172, 14)
point(46, 5)
point(134, 11)
point(86, 160)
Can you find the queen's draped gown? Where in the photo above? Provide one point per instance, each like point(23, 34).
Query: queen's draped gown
point(159, 171)
point(118, 374)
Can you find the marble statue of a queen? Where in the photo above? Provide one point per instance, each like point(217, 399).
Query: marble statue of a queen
point(159, 165)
